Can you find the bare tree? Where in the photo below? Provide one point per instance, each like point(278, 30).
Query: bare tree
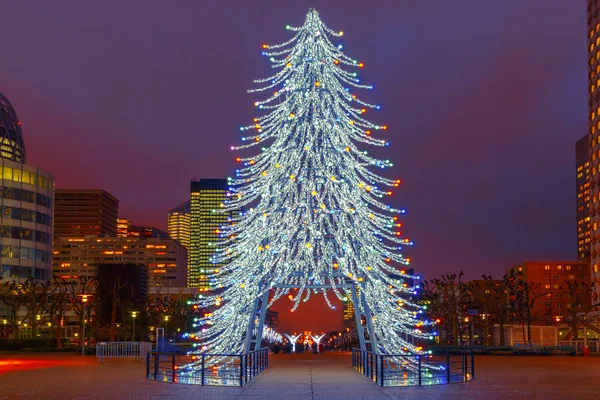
point(448, 297)
point(13, 298)
point(579, 303)
point(523, 295)
point(59, 302)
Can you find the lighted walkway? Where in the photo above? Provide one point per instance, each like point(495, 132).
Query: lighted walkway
point(309, 376)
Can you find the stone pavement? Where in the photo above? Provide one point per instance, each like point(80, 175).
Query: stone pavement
point(302, 377)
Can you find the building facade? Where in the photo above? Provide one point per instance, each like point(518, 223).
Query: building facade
point(593, 21)
point(83, 212)
point(166, 259)
point(178, 224)
point(206, 197)
point(582, 158)
point(556, 299)
point(26, 206)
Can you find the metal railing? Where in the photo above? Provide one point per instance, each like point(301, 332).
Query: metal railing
point(414, 370)
point(578, 345)
point(122, 350)
point(207, 369)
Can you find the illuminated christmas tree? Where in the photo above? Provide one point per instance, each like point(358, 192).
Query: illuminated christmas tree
point(316, 216)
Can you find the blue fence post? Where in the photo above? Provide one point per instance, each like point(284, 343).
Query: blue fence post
point(464, 362)
point(241, 370)
point(447, 368)
point(156, 360)
point(148, 365)
point(173, 368)
point(202, 374)
point(381, 364)
point(472, 365)
point(419, 359)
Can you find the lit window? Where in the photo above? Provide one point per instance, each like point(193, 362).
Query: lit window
point(547, 286)
point(559, 267)
point(547, 268)
point(568, 267)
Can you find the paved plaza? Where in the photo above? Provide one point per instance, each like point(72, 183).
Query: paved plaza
point(302, 377)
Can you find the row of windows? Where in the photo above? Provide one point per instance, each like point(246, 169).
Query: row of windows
point(15, 271)
point(559, 267)
point(25, 253)
point(15, 232)
point(28, 196)
point(25, 215)
point(32, 178)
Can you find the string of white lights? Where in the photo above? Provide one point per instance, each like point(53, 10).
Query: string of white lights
point(313, 211)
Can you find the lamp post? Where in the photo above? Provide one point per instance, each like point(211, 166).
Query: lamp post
point(133, 315)
point(166, 323)
point(84, 300)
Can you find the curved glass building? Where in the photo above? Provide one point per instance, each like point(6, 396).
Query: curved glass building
point(26, 206)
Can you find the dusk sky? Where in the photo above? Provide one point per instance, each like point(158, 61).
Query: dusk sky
point(484, 99)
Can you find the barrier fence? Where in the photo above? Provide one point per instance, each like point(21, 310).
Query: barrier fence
point(122, 350)
point(414, 370)
point(206, 369)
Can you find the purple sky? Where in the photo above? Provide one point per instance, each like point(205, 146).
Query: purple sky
point(485, 101)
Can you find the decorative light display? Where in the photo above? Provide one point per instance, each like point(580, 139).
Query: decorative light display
point(315, 214)
point(271, 335)
point(317, 338)
point(293, 339)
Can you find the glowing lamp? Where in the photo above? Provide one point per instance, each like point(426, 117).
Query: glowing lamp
point(384, 127)
point(238, 159)
point(341, 33)
point(368, 132)
point(364, 110)
point(361, 65)
point(264, 46)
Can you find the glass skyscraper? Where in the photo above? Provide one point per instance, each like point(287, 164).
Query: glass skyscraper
point(206, 198)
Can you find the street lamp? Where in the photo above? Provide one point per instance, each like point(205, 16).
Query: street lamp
point(84, 300)
point(133, 315)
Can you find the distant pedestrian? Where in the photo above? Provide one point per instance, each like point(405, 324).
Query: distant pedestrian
point(276, 348)
point(315, 347)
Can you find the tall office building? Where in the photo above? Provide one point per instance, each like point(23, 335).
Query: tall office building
point(582, 158)
point(206, 197)
point(178, 224)
point(165, 259)
point(593, 20)
point(26, 206)
point(83, 212)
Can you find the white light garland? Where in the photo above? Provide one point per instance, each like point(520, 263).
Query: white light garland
point(314, 212)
